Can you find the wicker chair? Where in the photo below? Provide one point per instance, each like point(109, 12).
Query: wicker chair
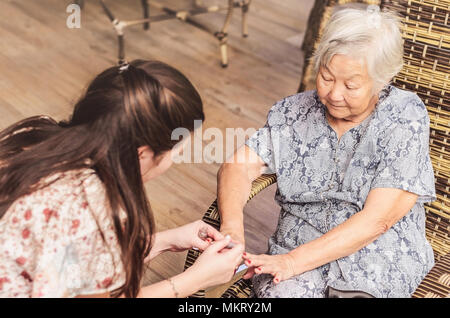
point(426, 71)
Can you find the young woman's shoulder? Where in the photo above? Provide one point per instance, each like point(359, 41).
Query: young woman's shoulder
point(60, 240)
point(68, 195)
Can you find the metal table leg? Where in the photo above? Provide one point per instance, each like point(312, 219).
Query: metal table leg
point(146, 9)
point(80, 3)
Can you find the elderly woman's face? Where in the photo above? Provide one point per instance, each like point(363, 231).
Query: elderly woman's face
point(345, 88)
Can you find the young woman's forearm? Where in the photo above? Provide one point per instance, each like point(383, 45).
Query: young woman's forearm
point(183, 285)
point(345, 239)
point(161, 244)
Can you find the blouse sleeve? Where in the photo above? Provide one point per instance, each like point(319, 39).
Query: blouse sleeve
point(266, 140)
point(261, 143)
point(405, 161)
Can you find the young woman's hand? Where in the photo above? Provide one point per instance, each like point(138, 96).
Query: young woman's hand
point(217, 264)
point(281, 267)
point(187, 236)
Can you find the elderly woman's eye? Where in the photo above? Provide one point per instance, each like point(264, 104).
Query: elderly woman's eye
point(326, 78)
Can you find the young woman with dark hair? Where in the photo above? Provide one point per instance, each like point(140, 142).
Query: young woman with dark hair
point(74, 216)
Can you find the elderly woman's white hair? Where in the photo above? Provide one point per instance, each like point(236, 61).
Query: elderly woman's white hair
point(364, 33)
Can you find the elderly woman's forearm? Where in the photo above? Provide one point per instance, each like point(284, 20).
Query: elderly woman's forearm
point(343, 240)
point(234, 180)
point(233, 189)
point(383, 208)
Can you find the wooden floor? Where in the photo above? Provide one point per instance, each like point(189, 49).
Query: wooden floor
point(44, 67)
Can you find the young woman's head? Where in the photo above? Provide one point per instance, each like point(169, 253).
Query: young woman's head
point(138, 109)
point(121, 127)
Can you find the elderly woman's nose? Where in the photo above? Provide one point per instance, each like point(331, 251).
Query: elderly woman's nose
point(336, 94)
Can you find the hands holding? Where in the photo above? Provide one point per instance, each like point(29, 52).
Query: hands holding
point(281, 267)
point(217, 263)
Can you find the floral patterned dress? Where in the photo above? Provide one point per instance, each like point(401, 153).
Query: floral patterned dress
point(51, 242)
point(323, 181)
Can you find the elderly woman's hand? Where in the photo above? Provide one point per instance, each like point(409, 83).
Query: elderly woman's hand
point(281, 267)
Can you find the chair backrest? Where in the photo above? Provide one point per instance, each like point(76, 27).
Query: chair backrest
point(426, 32)
point(426, 70)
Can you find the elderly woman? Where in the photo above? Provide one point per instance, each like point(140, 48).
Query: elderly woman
point(353, 170)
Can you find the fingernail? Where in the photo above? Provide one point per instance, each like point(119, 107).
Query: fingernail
point(245, 254)
point(249, 261)
point(227, 236)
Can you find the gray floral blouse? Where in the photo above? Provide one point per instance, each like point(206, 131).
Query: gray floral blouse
point(323, 181)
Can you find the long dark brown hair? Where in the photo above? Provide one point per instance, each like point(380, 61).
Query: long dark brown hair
point(119, 112)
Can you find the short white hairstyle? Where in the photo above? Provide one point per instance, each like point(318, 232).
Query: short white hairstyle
point(364, 33)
